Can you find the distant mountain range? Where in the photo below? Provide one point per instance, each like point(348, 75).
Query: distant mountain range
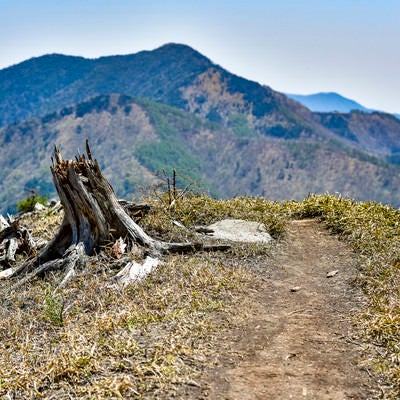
point(328, 102)
point(174, 108)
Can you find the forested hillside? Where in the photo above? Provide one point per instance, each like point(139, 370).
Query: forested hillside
point(135, 139)
point(174, 108)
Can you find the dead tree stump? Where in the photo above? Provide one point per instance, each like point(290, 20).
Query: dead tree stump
point(93, 216)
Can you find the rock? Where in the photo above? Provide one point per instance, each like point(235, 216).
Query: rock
point(238, 230)
point(332, 273)
point(295, 288)
point(39, 207)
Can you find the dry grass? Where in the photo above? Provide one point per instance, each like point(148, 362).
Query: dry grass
point(149, 340)
point(93, 341)
point(373, 230)
point(193, 210)
point(155, 339)
point(42, 225)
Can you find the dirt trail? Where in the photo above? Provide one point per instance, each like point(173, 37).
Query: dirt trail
point(295, 343)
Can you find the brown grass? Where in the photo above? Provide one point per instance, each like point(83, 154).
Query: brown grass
point(144, 341)
point(149, 340)
point(155, 339)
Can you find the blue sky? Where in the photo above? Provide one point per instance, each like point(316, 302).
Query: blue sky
point(295, 46)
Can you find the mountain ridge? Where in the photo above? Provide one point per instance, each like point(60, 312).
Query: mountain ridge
point(134, 138)
point(164, 75)
point(72, 79)
point(172, 105)
point(328, 102)
point(172, 74)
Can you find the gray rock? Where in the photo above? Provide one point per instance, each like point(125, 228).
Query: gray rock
point(238, 230)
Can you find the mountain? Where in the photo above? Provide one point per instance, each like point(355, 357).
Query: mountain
point(327, 102)
point(127, 136)
point(358, 127)
point(173, 74)
point(174, 108)
point(375, 133)
point(133, 138)
point(46, 84)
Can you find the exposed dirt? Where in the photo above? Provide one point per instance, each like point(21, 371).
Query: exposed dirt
point(295, 342)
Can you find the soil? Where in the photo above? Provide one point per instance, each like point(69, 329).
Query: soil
point(296, 340)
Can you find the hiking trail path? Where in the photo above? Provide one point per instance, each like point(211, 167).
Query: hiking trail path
point(296, 340)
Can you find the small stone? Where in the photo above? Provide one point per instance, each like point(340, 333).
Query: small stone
point(332, 273)
point(39, 207)
point(295, 288)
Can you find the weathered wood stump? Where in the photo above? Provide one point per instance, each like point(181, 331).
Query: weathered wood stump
point(93, 216)
point(13, 238)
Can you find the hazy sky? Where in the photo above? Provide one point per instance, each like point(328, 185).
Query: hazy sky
point(294, 46)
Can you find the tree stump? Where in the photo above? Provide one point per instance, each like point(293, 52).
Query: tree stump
point(93, 216)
